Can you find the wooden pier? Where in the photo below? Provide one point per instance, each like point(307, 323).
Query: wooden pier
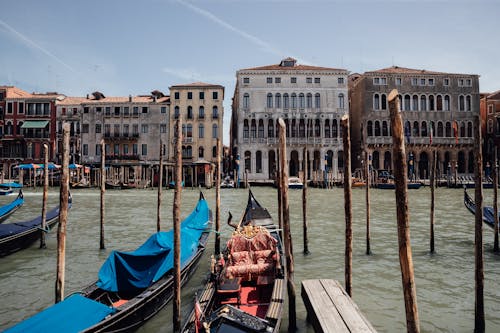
point(330, 309)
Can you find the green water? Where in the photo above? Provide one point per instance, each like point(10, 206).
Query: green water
point(444, 280)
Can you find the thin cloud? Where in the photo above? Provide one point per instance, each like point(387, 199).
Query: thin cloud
point(34, 45)
point(191, 74)
point(257, 41)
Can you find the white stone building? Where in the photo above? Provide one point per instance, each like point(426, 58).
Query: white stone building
point(311, 100)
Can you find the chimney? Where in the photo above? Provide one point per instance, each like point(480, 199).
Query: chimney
point(87, 96)
point(130, 98)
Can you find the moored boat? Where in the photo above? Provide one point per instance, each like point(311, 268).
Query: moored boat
point(295, 183)
point(247, 285)
point(488, 212)
point(8, 188)
point(132, 286)
point(392, 186)
point(19, 235)
point(9, 209)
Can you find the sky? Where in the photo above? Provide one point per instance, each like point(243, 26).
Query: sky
point(123, 47)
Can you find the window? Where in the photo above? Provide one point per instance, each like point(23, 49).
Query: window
point(248, 157)
point(317, 101)
point(215, 95)
point(398, 81)
point(245, 129)
point(431, 103)
point(190, 95)
point(107, 130)
point(253, 129)
point(246, 101)
point(201, 131)
point(126, 110)
point(144, 149)
point(269, 80)
point(294, 101)
point(116, 149)
point(341, 101)
point(201, 112)
point(201, 95)
point(490, 109)
point(21, 107)
point(468, 83)
point(190, 112)
point(446, 82)
point(85, 149)
point(10, 107)
point(176, 112)
point(163, 128)
point(116, 130)
point(163, 109)
point(246, 80)
point(215, 112)
point(270, 129)
point(468, 103)
point(85, 128)
point(277, 100)
point(293, 80)
point(117, 110)
point(135, 149)
point(383, 80)
point(340, 80)
point(136, 110)
point(125, 130)
point(98, 150)
point(135, 129)
point(107, 111)
point(258, 161)
point(422, 82)
point(316, 80)
point(447, 103)
point(302, 101)
point(144, 109)
point(461, 103)
point(214, 151)
point(269, 100)
point(277, 80)
point(384, 102)
point(125, 149)
point(309, 101)
point(461, 82)
point(376, 102)
point(86, 109)
point(309, 80)
point(189, 130)
point(286, 101)
point(414, 104)
point(144, 128)
point(201, 152)
point(431, 82)
point(177, 95)
point(414, 81)
point(215, 132)
point(261, 128)
point(97, 128)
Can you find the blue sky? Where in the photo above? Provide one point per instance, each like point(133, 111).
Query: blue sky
point(133, 47)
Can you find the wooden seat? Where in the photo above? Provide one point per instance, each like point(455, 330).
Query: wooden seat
point(229, 291)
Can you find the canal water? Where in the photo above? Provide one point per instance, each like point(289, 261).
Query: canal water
point(444, 280)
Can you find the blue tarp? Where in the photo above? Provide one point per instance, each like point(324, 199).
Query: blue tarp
point(5, 210)
point(131, 271)
point(74, 314)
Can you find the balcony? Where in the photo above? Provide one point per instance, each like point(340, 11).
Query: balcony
point(187, 139)
point(121, 137)
point(127, 157)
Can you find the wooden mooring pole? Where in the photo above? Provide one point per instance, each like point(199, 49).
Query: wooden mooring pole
point(367, 199)
point(432, 182)
point(45, 195)
point(401, 180)
point(278, 186)
point(346, 138)
point(305, 159)
point(479, 324)
point(495, 200)
point(63, 216)
point(287, 235)
point(103, 190)
point(160, 184)
point(177, 228)
point(217, 199)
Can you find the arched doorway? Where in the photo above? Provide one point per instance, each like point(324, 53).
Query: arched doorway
point(471, 162)
point(461, 162)
point(423, 166)
point(294, 164)
point(376, 160)
point(271, 164)
point(317, 160)
point(388, 160)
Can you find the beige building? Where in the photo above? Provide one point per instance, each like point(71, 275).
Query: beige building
point(200, 107)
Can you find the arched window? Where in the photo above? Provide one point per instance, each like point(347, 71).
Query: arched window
point(201, 112)
point(369, 128)
point(414, 104)
point(334, 128)
point(190, 112)
point(407, 129)
point(214, 151)
point(270, 129)
point(424, 129)
point(286, 101)
point(317, 129)
point(407, 105)
point(317, 101)
point(201, 131)
point(447, 103)
point(294, 128)
point(302, 129)
point(462, 129)
point(277, 100)
point(423, 103)
point(431, 103)
point(248, 160)
point(376, 102)
point(341, 101)
point(302, 102)
point(215, 112)
point(469, 129)
point(385, 131)
point(253, 129)
point(439, 103)
point(201, 151)
point(309, 101)
point(189, 132)
point(176, 112)
point(384, 101)
point(215, 132)
point(461, 103)
point(468, 104)
point(416, 131)
point(245, 129)
point(294, 100)
point(258, 161)
point(440, 131)
point(246, 101)
point(327, 128)
point(269, 100)
point(377, 128)
point(261, 128)
point(448, 129)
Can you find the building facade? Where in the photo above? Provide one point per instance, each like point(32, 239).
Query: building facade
point(200, 107)
point(438, 111)
point(311, 100)
point(490, 112)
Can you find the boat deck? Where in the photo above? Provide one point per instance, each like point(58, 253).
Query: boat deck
point(330, 309)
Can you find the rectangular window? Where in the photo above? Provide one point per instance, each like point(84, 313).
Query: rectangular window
point(125, 149)
point(85, 149)
point(293, 80)
point(201, 95)
point(97, 150)
point(108, 111)
point(398, 81)
point(136, 110)
point(21, 107)
point(163, 109)
point(10, 107)
point(376, 80)
point(422, 82)
point(215, 95)
point(277, 80)
point(135, 129)
point(490, 109)
point(468, 83)
point(144, 109)
point(446, 82)
point(116, 130)
point(97, 128)
point(269, 80)
point(177, 95)
point(116, 149)
point(117, 110)
point(309, 80)
point(461, 82)
point(107, 130)
point(190, 95)
point(316, 80)
point(414, 81)
point(125, 130)
point(134, 149)
point(126, 110)
point(85, 128)
point(144, 149)
point(246, 80)
point(383, 80)
point(97, 109)
point(144, 128)
point(431, 82)
point(163, 128)
point(340, 80)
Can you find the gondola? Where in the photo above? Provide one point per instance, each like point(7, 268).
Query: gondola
point(392, 186)
point(131, 287)
point(488, 213)
point(8, 188)
point(19, 235)
point(8, 209)
point(245, 291)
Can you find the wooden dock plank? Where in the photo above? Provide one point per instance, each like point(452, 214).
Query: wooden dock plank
point(330, 309)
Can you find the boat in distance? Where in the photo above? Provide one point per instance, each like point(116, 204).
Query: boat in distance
point(9, 209)
point(132, 286)
point(20, 235)
point(247, 285)
point(488, 212)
